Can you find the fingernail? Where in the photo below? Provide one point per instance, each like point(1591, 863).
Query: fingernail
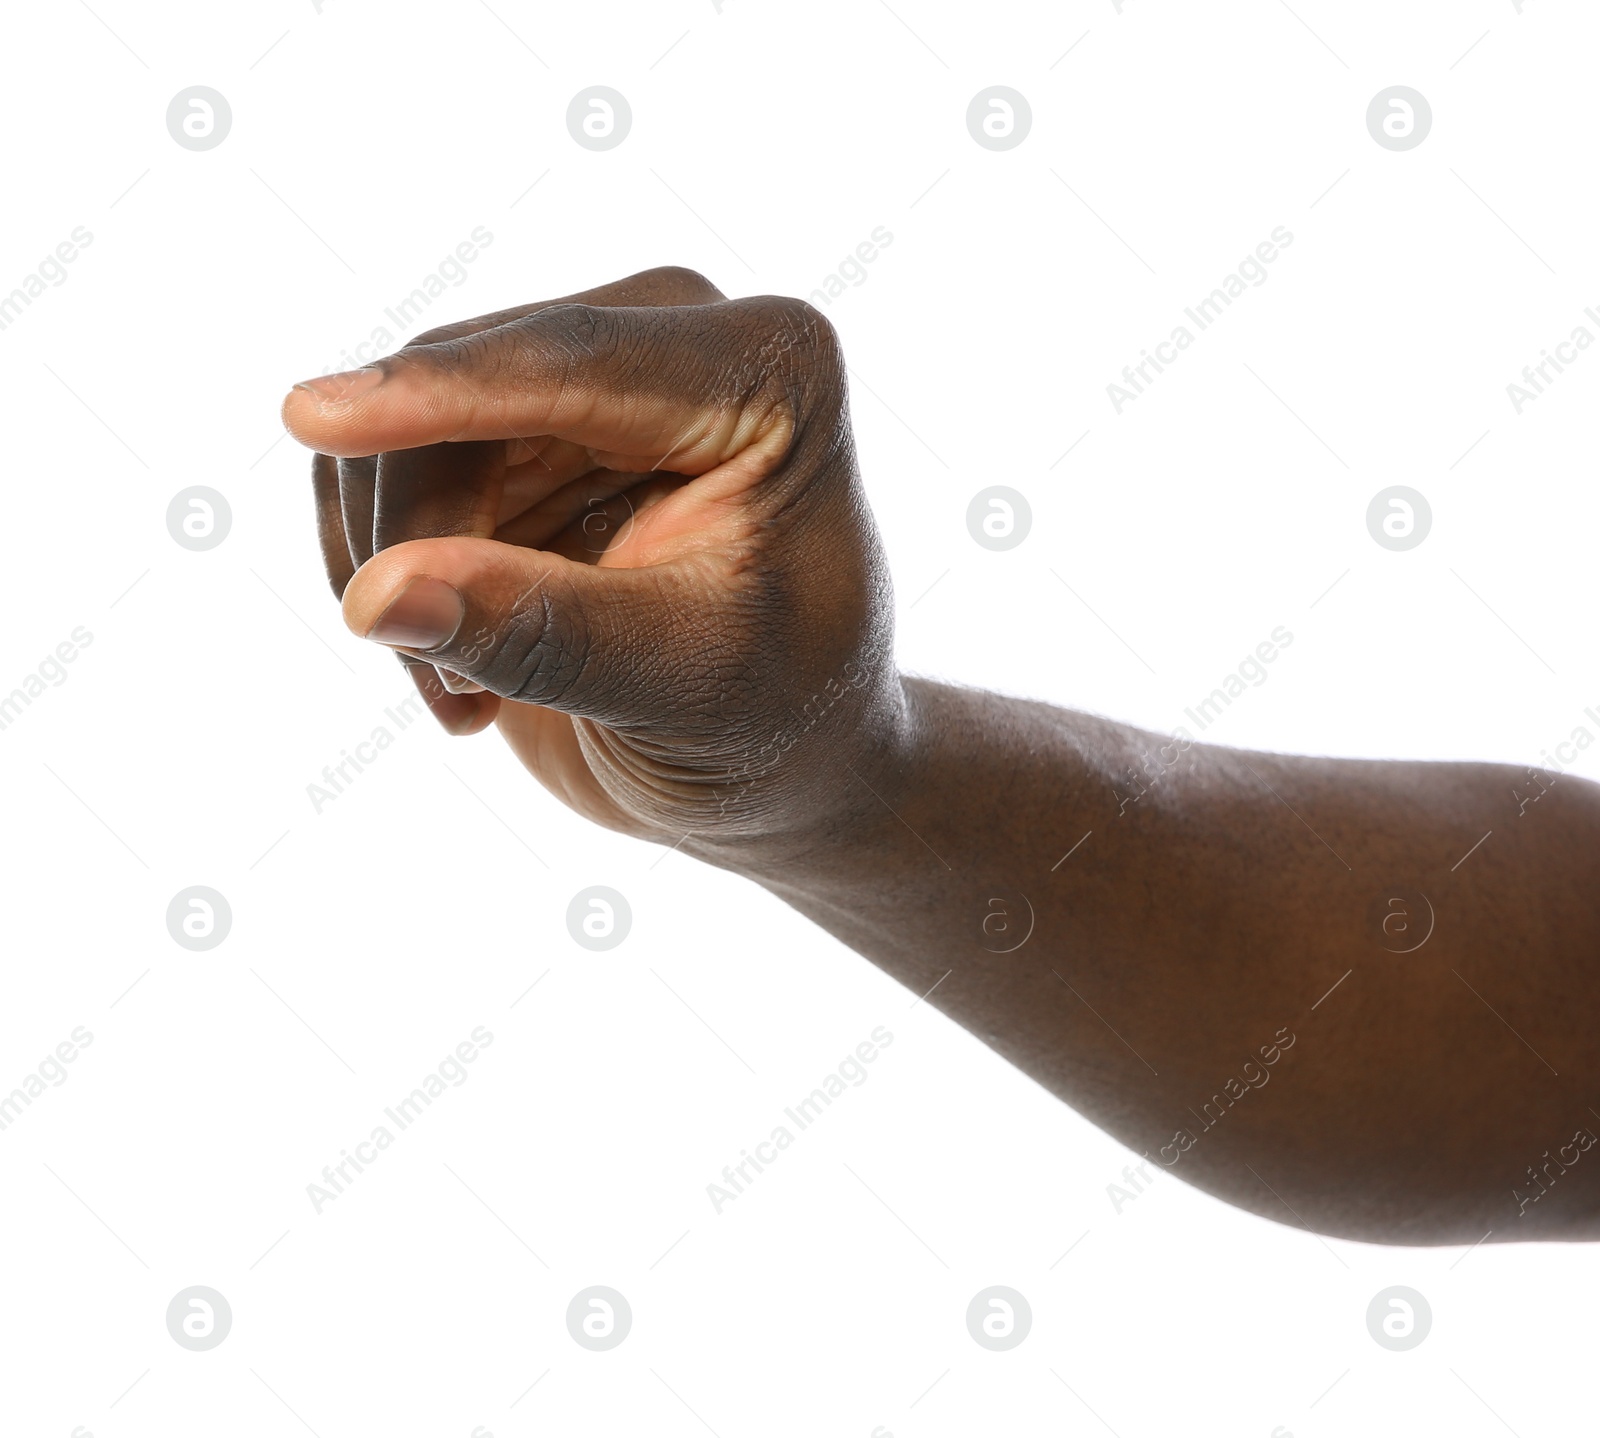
point(458, 683)
point(423, 615)
point(332, 388)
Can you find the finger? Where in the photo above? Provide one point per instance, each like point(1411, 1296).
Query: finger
point(358, 482)
point(438, 490)
point(459, 714)
point(330, 523)
point(456, 684)
point(685, 388)
point(592, 518)
point(603, 644)
point(535, 469)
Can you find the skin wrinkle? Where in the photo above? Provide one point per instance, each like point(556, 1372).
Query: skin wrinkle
point(548, 665)
point(688, 691)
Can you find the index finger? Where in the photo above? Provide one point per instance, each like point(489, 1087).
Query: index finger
point(645, 387)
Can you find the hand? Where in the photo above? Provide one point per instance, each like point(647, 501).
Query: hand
point(628, 529)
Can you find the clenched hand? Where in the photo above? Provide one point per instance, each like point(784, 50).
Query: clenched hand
point(627, 528)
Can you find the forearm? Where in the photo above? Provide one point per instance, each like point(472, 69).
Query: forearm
point(1187, 944)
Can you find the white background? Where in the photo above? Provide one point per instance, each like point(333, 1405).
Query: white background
point(372, 937)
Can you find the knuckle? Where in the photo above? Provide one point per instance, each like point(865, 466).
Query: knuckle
point(680, 284)
point(539, 656)
point(484, 355)
point(799, 341)
point(793, 361)
point(556, 343)
point(572, 323)
point(437, 335)
point(534, 342)
point(482, 363)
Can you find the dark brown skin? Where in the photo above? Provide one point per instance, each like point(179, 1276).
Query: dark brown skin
point(674, 606)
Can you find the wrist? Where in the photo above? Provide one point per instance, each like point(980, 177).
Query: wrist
point(821, 790)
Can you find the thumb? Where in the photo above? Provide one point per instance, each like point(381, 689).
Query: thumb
point(534, 627)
